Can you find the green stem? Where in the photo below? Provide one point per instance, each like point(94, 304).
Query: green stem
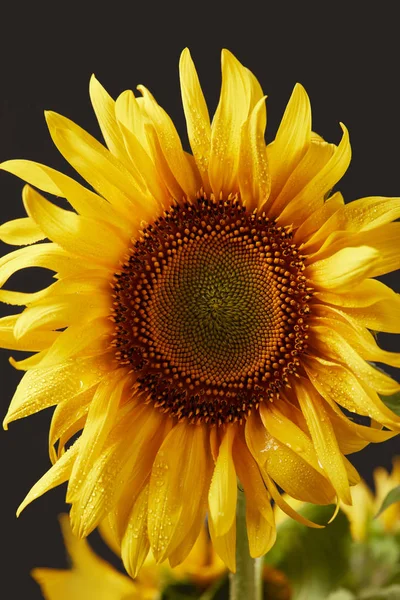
point(246, 583)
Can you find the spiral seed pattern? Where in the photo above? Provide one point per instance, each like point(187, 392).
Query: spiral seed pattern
point(210, 310)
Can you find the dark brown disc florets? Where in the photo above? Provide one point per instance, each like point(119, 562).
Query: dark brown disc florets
point(210, 310)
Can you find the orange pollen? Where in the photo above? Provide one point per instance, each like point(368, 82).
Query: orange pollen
point(210, 310)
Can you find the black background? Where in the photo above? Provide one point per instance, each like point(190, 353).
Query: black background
point(348, 60)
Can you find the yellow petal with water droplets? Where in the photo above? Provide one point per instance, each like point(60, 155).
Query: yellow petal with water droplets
point(292, 139)
point(223, 489)
point(360, 215)
point(100, 420)
point(338, 384)
point(41, 388)
point(119, 468)
point(291, 472)
point(240, 92)
point(311, 196)
point(287, 432)
point(79, 235)
point(56, 475)
point(254, 178)
point(315, 221)
point(21, 232)
point(197, 117)
point(135, 543)
point(324, 438)
point(344, 269)
point(172, 482)
point(332, 345)
point(356, 335)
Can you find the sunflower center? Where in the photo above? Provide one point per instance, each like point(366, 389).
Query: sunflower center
point(210, 310)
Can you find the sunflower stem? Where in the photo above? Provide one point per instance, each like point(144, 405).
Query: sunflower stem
point(246, 583)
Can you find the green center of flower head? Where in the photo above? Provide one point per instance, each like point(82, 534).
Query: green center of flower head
point(210, 310)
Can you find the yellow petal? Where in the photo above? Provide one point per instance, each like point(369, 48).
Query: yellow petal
point(21, 232)
point(196, 113)
point(135, 543)
point(104, 108)
point(260, 520)
point(351, 436)
point(172, 481)
point(91, 339)
point(240, 93)
point(48, 256)
point(100, 168)
point(371, 303)
point(170, 144)
point(133, 118)
point(225, 545)
point(41, 388)
point(149, 172)
point(287, 468)
point(315, 221)
point(309, 168)
point(332, 345)
point(338, 384)
point(31, 342)
point(311, 196)
point(79, 235)
point(344, 269)
point(358, 337)
point(125, 467)
point(287, 432)
point(254, 178)
point(84, 201)
point(360, 215)
point(61, 311)
point(58, 474)
point(102, 413)
point(285, 506)
point(324, 439)
point(66, 414)
point(292, 139)
point(222, 495)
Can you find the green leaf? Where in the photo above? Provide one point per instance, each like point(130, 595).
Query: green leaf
point(392, 402)
point(392, 497)
point(314, 560)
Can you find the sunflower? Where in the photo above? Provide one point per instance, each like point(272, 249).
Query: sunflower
point(366, 505)
point(209, 319)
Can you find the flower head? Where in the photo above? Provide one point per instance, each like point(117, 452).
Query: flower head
point(209, 320)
